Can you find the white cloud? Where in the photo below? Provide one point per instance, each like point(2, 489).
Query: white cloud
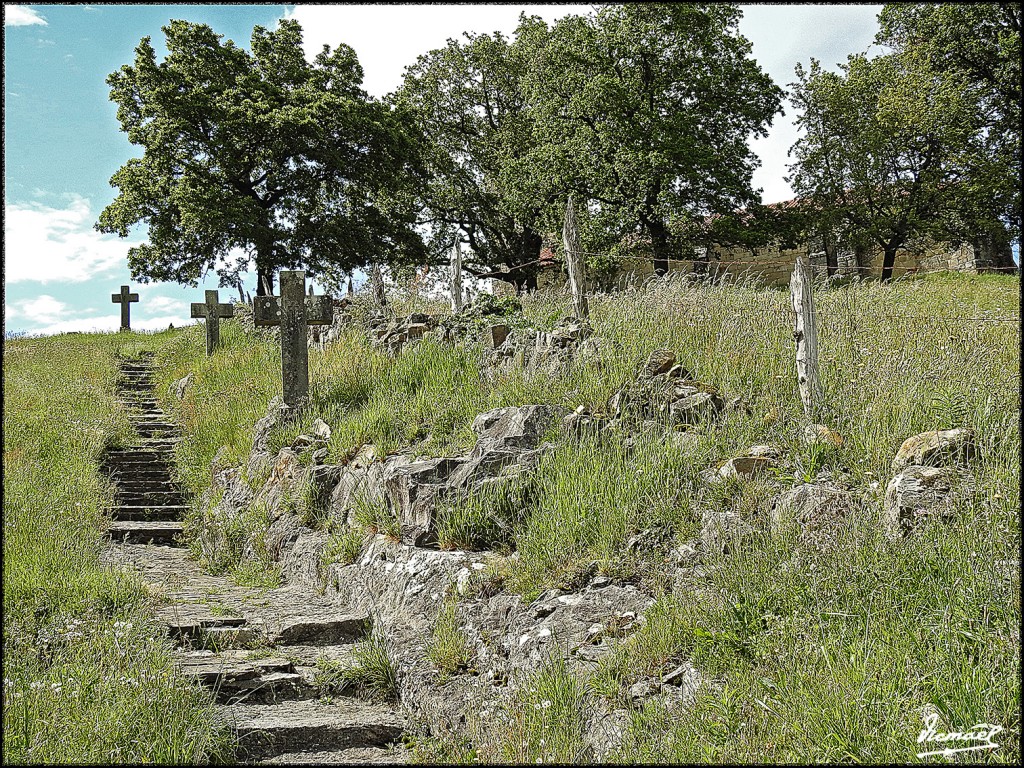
point(46, 245)
point(21, 16)
point(41, 309)
point(160, 304)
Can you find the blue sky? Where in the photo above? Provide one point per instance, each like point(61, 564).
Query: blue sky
point(62, 141)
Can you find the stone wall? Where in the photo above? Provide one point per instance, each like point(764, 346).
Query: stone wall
point(773, 265)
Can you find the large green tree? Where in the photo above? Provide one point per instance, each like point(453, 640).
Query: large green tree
point(261, 153)
point(980, 45)
point(478, 133)
point(644, 110)
point(878, 158)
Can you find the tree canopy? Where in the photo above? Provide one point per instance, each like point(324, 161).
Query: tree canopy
point(264, 154)
point(478, 133)
point(645, 111)
point(980, 46)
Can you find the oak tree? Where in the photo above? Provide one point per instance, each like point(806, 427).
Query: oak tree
point(645, 111)
point(257, 156)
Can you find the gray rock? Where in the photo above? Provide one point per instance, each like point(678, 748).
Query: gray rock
point(178, 387)
point(915, 494)
point(936, 448)
point(412, 490)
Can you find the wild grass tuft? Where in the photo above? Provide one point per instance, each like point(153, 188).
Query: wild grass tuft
point(87, 677)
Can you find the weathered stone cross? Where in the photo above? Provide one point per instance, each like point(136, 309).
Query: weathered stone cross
point(124, 298)
point(212, 310)
point(294, 311)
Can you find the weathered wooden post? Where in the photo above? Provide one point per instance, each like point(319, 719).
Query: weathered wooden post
point(211, 310)
point(294, 312)
point(806, 335)
point(570, 239)
point(124, 298)
point(456, 278)
point(351, 289)
point(377, 283)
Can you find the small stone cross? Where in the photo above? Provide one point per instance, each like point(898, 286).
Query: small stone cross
point(294, 311)
point(212, 311)
point(124, 298)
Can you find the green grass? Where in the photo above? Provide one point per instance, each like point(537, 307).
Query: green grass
point(87, 675)
point(810, 652)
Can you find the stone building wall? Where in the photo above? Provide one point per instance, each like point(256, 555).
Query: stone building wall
point(773, 265)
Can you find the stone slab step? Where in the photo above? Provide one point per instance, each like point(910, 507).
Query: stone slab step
point(148, 486)
point(185, 627)
point(149, 531)
point(212, 668)
point(139, 475)
point(150, 499)
point(321, 630)
point(352, 756)
point(150, 513)
point(266, 730)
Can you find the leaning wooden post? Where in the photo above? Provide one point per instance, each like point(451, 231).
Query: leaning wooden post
point(212, 310)
point(456, 278)
point(806, 335)
point(294, 311)
point(570, 239)
point(124, 298)
point(377, 283)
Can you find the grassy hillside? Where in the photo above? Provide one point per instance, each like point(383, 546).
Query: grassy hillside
point(812, 653)
point(812, 650)
point(87, 675)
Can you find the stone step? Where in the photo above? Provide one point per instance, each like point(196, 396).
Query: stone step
point(142, 460)
point(146, 531)
point(266, 730)
point(151, 499)
point(119, 475)
point(148, 486)
point(321, 630)
point(395, 755)
point(191, 629)
point(150, 512)
point(234, 678)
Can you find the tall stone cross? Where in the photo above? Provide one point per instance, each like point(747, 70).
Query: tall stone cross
point(124, 299)
point(212, 311)
point(294, 312)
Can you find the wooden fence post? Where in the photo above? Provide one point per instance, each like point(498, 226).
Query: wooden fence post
point(570, 239)
point(456, 278)
point(806, 336)
point(377, 283)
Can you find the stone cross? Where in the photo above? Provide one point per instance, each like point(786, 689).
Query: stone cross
point(124, 298)
point(294, 311)
point(212, 311)
point(456, 279)
point(572, 260)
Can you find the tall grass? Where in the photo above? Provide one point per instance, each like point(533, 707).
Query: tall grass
point(87, 676)
point(809, 652)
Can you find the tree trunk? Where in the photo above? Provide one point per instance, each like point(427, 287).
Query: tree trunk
point(659, 244)
point(264, 281)
point(888, 261)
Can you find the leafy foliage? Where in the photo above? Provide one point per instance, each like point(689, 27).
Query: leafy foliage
point(289, 161)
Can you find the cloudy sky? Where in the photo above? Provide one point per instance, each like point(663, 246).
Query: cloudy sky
point(62, 141)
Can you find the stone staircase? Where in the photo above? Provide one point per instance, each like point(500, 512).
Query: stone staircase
point(261, 653)
point(149, 506)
